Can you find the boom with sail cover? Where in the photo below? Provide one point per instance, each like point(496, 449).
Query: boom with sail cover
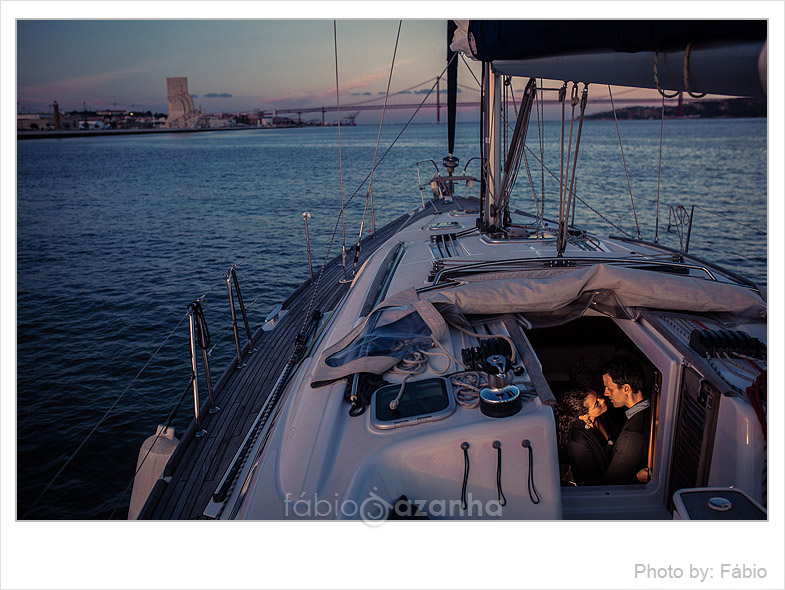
point(724, 57)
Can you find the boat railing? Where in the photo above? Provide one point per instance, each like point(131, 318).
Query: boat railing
point(231, 277)
point(448, 272)
point(442, 186)
point(699, 262)
point(199, 336)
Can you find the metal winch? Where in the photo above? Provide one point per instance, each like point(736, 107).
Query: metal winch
point(500, 398)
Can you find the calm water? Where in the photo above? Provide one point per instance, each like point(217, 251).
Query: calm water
point(117, 235)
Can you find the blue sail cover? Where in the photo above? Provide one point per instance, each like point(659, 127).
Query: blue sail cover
point(516, 39)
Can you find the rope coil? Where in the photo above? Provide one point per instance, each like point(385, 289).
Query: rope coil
point(685, 75)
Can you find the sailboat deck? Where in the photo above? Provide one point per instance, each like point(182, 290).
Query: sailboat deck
point(195, 470)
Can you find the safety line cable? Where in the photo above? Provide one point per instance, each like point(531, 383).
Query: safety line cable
point(659, 176)
point(604, 218)
point(357, 190)
point(101, 421)
point(570, 195)
point(168, 423)
point(379, 136)
point(592, 209)
point(541, 135)
point(720, 215)
point(629, 186)
point(340, 159)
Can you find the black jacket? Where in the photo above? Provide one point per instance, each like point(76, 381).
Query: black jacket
point(586, 452)
point(630, 452)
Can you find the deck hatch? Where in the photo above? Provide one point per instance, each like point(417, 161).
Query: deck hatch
point(422, 401)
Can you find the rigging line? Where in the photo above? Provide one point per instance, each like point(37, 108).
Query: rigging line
point(727, 253)
point(354, 194)
point(562, 97)
point(512, 162)
point(629, 186)
point(570, 195)
point(755, 229)
point(340, 159)
point(531, 183)
point(600, 215)
point(169, 419)
point(506, 97)
point(541, 132)
point(396, 93)
point(381, 122)
point(564, 197)
point(525, 160)
point(104, 417)
point(479, 84)
point(472, 88)
point(659, 175)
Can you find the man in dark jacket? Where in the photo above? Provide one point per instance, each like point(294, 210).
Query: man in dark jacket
point(623, 380)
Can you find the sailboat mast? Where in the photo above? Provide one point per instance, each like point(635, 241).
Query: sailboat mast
point(492, 148)
point(452, 88)
point(450, 161)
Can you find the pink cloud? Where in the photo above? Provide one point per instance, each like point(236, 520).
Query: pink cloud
point(374, 80)
point(76, 88)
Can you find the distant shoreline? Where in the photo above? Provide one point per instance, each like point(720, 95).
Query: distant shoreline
point(702, 109)
point(53, 134)
point(720, 109)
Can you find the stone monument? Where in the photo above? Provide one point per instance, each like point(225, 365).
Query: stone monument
point(182, 112)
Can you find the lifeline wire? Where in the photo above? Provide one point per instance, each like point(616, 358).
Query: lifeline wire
point(340, 159)
point(600, 215)
point(632, 201)
point(659, 175)
point(106, 415)
point(155, 440)
point(381, 122)
point(335, 227)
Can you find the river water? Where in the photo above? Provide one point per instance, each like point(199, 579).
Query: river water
point(117, 235)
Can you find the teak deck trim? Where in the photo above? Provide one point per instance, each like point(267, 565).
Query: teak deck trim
point(197, 466)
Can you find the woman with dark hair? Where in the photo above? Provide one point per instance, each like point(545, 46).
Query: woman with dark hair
point(583, 434)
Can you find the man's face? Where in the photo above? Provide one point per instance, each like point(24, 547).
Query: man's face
point(613, 392)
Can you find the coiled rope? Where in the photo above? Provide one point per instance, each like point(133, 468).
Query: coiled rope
point(657, 77)
point(687, 73)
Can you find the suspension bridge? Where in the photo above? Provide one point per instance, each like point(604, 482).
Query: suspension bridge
point(434, 101)
point(439, 106)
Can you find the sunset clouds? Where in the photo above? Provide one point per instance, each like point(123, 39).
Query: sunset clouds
point(230, 64)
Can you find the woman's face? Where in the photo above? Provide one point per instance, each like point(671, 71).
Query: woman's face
point(594, 404)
